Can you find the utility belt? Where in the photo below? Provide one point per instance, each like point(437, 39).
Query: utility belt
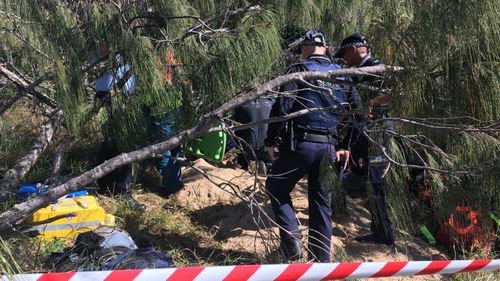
point(297, 135)
point(315, 137)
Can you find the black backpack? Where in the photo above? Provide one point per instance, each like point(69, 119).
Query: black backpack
point(107, 248)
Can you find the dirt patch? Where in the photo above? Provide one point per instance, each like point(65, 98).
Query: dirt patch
point(220, 201)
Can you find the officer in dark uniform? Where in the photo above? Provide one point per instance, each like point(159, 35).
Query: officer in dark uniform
point(303, 142)
point(368, 160)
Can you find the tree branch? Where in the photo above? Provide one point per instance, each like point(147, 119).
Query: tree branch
point(28, 87)
point(21, 211)
point(13, 176)
point(461, 128)
point(192, 30)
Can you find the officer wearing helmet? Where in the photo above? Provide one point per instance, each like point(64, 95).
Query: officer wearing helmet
point(302, 143)
point(368, 161)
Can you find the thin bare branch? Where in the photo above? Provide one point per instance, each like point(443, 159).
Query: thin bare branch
point(27, 86)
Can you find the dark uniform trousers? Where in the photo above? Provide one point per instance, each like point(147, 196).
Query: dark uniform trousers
point(381, 224)
point(375, 165)
point(285, 172)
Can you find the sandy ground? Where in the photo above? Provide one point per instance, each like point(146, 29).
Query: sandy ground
point(240, 212)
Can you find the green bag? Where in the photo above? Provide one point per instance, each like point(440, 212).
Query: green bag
point(211, 146)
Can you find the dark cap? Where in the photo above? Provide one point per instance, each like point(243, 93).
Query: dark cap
point(314, 37)
point(356, 40)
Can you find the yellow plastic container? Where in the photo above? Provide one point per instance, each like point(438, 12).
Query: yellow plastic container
point(89, 216)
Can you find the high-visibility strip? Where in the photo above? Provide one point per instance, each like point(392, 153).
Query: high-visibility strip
point(367, 268)
point(318, 269)
point(92, 275)
point(157, 274)
point(455, 266)
point(215, 273)
point(412, 268)
point(63, 226)
point(493, 265)
point(268, 272)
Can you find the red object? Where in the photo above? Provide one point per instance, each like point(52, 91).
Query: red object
point(462, 229)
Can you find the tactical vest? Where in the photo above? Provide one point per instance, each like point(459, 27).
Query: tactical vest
point(321, 120)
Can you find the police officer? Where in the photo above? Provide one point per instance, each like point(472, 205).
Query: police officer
point(368, 160)
point(306, 140)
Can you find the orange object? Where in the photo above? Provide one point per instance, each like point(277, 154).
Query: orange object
point(171, 62)
point(462, 229)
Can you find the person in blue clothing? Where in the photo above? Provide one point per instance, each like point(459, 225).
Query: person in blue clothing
point(298, 147)
point(368, 161)
point(122, 80)
point(177, 87)
point(117, 81)
point(168, 166)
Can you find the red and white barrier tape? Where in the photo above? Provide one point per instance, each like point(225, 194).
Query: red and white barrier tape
point(281, 272)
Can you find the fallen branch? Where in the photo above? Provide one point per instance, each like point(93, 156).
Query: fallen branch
point(21, 211)
point(13, 176)
point(28, 87)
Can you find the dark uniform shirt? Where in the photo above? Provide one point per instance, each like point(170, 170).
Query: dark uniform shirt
point(285, 105)
point(368, 60)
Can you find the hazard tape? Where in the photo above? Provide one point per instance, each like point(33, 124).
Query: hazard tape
point(278, 272)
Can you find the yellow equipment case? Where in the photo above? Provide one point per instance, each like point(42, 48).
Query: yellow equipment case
point(89, 216)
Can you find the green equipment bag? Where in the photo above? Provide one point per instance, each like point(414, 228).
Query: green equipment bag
point(211, 146)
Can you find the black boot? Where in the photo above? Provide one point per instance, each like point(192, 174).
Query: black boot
point(290, 250)
point(371, 238)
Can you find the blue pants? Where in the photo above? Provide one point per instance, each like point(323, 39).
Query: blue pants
point(170, 169)
point(285, 172)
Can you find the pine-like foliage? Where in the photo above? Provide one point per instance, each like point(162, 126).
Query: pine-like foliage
point(450, 50)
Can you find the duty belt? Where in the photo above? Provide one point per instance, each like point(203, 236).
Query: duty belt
point(312, 137)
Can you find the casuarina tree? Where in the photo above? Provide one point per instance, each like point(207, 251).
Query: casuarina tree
point(446, 102)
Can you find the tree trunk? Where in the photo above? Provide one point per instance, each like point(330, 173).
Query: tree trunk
point(13, 176)
point(58, 156)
